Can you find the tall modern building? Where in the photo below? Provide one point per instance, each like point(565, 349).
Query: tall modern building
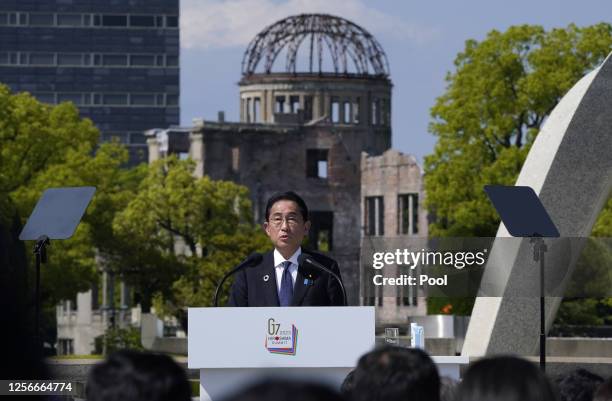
point(117, 60)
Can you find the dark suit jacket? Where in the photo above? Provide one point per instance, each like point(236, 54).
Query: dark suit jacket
point(250, 289)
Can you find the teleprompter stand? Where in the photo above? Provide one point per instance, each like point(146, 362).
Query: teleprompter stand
point(55, 216)
point(524, 216)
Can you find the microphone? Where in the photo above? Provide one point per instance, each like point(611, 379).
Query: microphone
point(306, 260)
point(253, 259)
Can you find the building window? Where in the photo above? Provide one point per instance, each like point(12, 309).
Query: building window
point(75, 98)
point(69, 59)
point(279, 104)
point(307, 108)
point(385, 111)
point(142, 60)
point(294, 103)
point(335, 110)
point(172, 61)
point(142, 99)
point(69, 20)
point(248, 110)
point(114, 20)
point(406, 294)
point(172, 100)
point(356, 110)
point(256, 109)
point(376, 111)
point(115, 60)
point(45, 97)
point(42, 59)
point(65, 346)
point(42, 19)
point(346, 117)
point(320, 235)
point(117, 99)
point(171, 21)
point(316, 163)
point(235, 159)
point(136, 138)
point(142, 20)
point(374, 215)
point(408, 214)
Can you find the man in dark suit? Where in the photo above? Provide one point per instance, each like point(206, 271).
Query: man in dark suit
point(277, 280)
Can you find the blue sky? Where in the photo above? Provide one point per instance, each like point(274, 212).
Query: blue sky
point(420, 38)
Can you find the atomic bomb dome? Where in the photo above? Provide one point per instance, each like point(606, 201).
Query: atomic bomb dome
point(315, 68)
point(318, 38)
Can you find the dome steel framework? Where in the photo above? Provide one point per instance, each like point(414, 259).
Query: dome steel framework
point(344, 40)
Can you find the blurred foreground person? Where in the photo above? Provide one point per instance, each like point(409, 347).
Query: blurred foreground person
point(138, 376)
point(285, 390)
point(578, 385)
point(604, 391)
point(448, 388)
point(396, 374)
point(346, 389)
point(504, 378)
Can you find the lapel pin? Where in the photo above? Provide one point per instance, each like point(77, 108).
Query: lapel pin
point(266, 277)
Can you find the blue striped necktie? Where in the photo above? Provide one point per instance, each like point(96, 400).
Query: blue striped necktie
point(286, 289)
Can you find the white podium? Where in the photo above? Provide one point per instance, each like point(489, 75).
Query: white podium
point(235, 346)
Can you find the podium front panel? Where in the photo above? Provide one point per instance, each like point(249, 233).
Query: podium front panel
point(279, 337)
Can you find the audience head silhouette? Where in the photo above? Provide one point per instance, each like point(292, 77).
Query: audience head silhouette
point(396, 374)
point(286, 390)
point(137, 376)
point(504, 378)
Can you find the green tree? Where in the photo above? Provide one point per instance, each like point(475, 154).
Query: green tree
point(495, 103)
point(501, 92)
point(184, 233)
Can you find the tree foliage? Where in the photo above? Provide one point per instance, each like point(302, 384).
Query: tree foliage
point(496, 101)
point(183, 233)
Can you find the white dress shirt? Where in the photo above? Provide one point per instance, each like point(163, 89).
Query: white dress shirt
point(278, 266)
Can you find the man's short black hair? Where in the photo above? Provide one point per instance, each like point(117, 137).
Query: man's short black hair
point(290, 196)
point(138, 376)
point(396, 374)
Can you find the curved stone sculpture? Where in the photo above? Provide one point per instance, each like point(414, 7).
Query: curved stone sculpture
point(570, 168)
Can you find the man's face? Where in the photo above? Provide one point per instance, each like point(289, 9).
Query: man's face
point(286, 227)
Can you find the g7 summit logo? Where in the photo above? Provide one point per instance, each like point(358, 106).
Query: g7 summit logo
point(280, 340)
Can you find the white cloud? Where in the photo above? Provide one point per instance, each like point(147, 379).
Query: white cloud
point(227, 23)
